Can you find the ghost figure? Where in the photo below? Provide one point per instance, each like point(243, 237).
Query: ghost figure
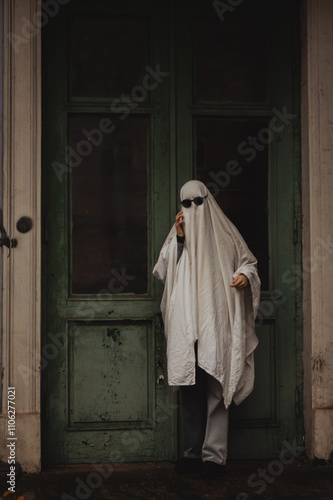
point(210, 301)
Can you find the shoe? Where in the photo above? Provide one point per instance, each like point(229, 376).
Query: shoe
point(212, 470)
point(188, 465)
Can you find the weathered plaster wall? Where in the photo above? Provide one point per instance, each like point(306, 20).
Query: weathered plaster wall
point(317, 169)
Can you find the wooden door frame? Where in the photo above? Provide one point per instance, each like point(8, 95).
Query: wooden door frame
point(22, 165)
point(22, 197)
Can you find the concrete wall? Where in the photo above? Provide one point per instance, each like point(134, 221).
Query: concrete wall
point(317, 186)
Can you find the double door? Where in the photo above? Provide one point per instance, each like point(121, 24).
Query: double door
point(138, 99)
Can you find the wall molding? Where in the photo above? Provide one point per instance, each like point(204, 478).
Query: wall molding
point(22, 197)
point(317, 186)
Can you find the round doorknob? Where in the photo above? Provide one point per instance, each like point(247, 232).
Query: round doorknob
point(24, 224)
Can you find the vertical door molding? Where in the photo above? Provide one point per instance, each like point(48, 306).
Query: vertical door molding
point(22, 193)
point(317, 186)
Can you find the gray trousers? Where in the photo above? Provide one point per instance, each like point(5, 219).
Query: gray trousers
point(204, 419)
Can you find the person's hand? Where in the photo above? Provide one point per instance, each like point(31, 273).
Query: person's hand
point(180, 224)
point(240, 282)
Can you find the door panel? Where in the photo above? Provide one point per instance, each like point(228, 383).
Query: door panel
point(111, 374)
point(226, 66)
point(235, 86)
point(95, 41)
point(106, 206)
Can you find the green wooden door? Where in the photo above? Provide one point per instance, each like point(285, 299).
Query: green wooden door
point(238, 127)
point(106, 186)
point(138, 99)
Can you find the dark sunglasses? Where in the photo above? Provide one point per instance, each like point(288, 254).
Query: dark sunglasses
point(198, 201)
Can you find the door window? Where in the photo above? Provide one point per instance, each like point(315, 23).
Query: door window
point(237, 176)
point(109, 203)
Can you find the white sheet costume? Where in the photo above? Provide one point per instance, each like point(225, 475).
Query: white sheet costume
point(199, 304)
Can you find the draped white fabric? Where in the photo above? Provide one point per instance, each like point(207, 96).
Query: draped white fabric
point(199, 304)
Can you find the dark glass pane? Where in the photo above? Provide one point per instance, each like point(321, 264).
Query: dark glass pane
point(230, 61)
point(109, 205)
point(108, 56)
point(232, 160)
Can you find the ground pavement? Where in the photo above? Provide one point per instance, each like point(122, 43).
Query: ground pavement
point(244, 480)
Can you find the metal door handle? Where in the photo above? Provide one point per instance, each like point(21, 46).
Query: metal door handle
point(23, 225)
point(5, 241)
